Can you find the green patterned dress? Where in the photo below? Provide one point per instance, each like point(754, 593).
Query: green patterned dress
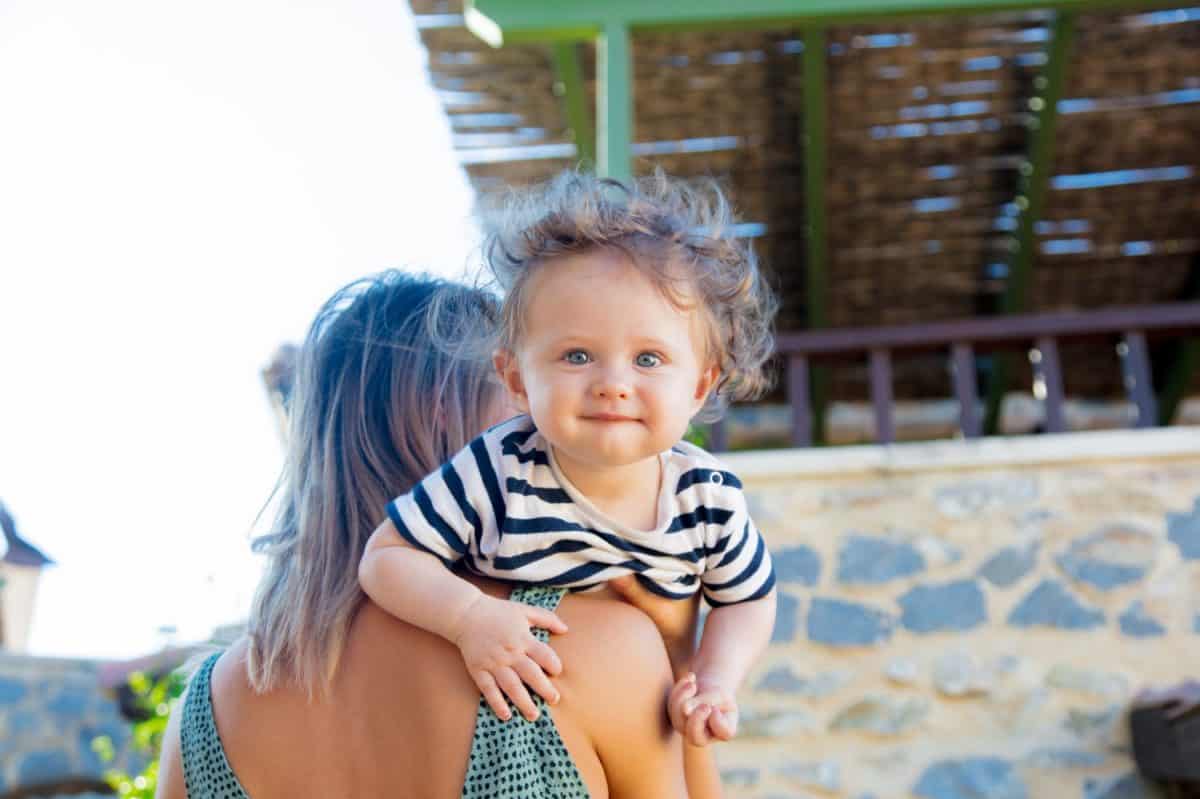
point(514, 759)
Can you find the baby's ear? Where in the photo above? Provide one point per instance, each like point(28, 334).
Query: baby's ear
point(507, 368)
point(706, 383)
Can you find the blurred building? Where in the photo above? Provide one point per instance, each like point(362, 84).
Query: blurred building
point(20, 569)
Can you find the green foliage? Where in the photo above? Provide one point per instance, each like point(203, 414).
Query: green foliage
point(698, 435)
point(153, 701)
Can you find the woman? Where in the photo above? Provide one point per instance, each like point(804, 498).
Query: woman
point(330, 696)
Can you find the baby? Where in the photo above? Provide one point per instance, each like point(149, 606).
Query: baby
point(629, 310)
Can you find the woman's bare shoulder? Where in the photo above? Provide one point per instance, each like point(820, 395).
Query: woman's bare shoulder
point(614, 630)
point(616, 677)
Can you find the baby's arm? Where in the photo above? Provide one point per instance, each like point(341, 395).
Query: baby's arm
point(492, 634)
point(734, 637)
point(739, 582)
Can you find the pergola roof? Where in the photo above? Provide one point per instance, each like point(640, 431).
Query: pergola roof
point(929, 126)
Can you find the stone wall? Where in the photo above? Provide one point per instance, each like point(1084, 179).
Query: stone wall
point(50, 711)
point(969, 619)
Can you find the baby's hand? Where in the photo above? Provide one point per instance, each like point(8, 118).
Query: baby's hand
point(702, 713)
point(502, 656)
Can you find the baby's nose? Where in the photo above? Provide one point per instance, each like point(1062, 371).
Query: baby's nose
point(610, 388)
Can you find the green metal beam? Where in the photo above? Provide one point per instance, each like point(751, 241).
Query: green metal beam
point(1035, 172)
point(1031, 195)
point(614, 103)
point(570, 76)
point(502, 21)
point(1187, 358)
point(1183, 357)
point(817, 278)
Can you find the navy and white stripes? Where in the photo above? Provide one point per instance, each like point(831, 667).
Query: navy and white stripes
point(502, 508)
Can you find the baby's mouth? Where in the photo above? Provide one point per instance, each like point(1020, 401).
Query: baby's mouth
point(609, 417)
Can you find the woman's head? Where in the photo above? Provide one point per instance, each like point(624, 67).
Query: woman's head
point(679, 236)
point(386, 390)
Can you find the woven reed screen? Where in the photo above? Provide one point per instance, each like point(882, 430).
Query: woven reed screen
point(1122, 219)
point(927, 129)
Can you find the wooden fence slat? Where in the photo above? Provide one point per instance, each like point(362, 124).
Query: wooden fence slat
point(965, 389)
point(1170, 317)
point(1047, 368)
point(1135, 363)
point(797, 384)
point(881, 395)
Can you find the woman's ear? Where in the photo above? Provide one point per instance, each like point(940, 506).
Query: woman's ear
point(509, 371)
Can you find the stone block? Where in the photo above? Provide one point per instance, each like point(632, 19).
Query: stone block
point(12, 691)
point(867, 495)
point(762, 507)
point(1051, 604)
point(824, 775)
point(739, 777)
point(1049, 758)
point(1110, 557)
point(24, 724)
point(882, 715)
point(902, 671)
point(1026, 712)
point(92, 764)
point(1184, 531)
point(44, 765)
point(71, 701)
point(1094, 682)
point(786, 609)
point(117, 730)
point(1137, 623)
point(798, 564)
point(936, 551)
point(958, 674)
point(1091, 723)
point(968, 499)
point(954, 606)
point(1126, 786)
point(972, 778)
point(1007, 566)
point(869, 560)
point(782, 680)
point(775, 723)
point(838, 622)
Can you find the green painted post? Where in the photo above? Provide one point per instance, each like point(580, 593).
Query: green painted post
point(614, 101)
point(1178, 379)
point(817, 279)
point(1031, 195)
point(1183, 358)
point(570, 76)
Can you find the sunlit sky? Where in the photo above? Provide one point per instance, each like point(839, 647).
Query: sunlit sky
point(181, 185)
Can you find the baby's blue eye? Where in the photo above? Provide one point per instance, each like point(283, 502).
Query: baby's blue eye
point(576, 357)
point(648, 360)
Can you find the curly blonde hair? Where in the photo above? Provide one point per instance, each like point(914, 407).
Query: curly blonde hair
point(679, 234)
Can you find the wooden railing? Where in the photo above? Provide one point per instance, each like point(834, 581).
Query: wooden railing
point(962, 340)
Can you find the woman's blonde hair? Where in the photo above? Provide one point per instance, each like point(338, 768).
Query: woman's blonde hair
point(679, 234)
point(382, 398)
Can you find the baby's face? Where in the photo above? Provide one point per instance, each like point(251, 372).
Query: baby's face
point(608, 368)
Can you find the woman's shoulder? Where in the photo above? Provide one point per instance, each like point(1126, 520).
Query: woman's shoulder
point(617, 652)
point(230, 677)
point(615, 680)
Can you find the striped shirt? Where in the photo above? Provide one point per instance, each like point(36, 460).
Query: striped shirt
point(503, 509)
